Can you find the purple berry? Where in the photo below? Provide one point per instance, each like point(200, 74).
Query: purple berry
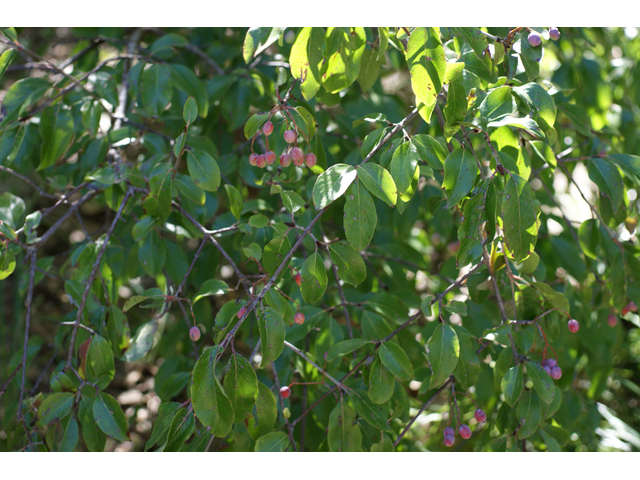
point(464, 431)
point(554, 33)
point(612, 320)
point(297, 156)
point(556, 373)
point(267, 128)
point(551, 362)
point(289, 136)
point(194, 334)
point(449, 440)
point(310, 160)
point(449, 431)
point(573, 325)
point(480, 416)
point(547, 369)
point(285, 160)
point(534, 39)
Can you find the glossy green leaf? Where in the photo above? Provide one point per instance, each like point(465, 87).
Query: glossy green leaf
point(395, 359)
point(241, 386)
point(344, 434)
point(314, 278)
point(343, 53)
point(204, 170)
point(360, 217)
point(511, 384)
point(273, 442)
point(156, 88)
point(266, 412)
point(158, 202)
point(236, 201)
point(190, 110)
point(374, 415)
point(404, 164)
point(519, 217)
point(152, 254)
point(607, 177)
point(305, 60)
point(460, 172)
point(272, 334)
point(211, 287)
point(100, 362)
point(542, 382)
point(330, 185)
point(274, 253)
point(529, 412)
point(381, 383)
point(345, 347)
point(54, 407)
point(141, 342)
point(351, 268)
point(109, 417)
point(379, 182)
point(443, 355)
point(57, 130)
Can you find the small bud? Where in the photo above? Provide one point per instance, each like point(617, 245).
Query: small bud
point(194, 334)
point(285, 392)
point(298, 279)
point(299, 318)
point(286, 413)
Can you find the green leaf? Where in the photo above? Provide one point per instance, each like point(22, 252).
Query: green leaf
point(211, 287)
point(181, 428)
point(31, 224)
point(272, 334)
point(305, 60)
point(166, 413)
point(21, 95)
point(374, 415)
point(630, 164)
point(266, 413)
point(57, 131)
point(272, 442)
point(511, 384)
point(469, 232)
point(526, 123)
point(529, 411)
point(5, 60)
point(351, 268)
point(360, 217)
point(93, 437)
point(343, 52)
point(11, 210)
point(556, 299)
point(241, 386)
point(344, 434)
point(70, 434)
point(152, 254)
point(142, 341)
point(341, 349)
point(258, 39)
point(109, 417)
point(394, 358)
point(578, 117)
point(7, 264)
point(100, 362)
point(142, 228)
point(156, 88)
point(253, 250)
point(236, 201)
point(331, 184)
point(291, 200)
point(608, 179)
point(542, 382)
point(430, 151)
point(589, 237)
point(455, 110)
point(468, 366)
point(255, 123)
point(478, 42)
point(314, 278)
point(158, 202)
point(460, 172)
point(443, 355)
point(369, 69)
point(190, 110)
point(381, 383)
point(379, 182)
point(204, 170)
point(54, 407)
point(519, 217)
point(274, 253)
point(427, 66)
point(404, 164)
point(539, 99)
point(498, 104)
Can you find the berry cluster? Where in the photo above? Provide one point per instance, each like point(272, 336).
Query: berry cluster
point(535, 40)
point(551, 367)
point(293, 154)
point(463, 430)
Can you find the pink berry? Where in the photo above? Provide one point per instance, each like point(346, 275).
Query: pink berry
point(270, 157)
point(194, 334)
point(554, 33)
point(612, 320)
point(261, 161)
point(285, 392)
point(267, 128)
point(573, 325)
point(297, 156)
point(310, 160)
point(449, 431)
point(289, 136)
point(632, 307)
point(285, 160)
point(464, 431)
point(242, 312)
point(556, 373)
point(480, 416)
point(534, 39)
point(551, 362)
point(252, 159)
point(547, 369)
point(449, 440)
point(298, 279)
point(299, 318)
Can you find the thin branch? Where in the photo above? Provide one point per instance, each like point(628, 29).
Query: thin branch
point(320, 369)
point(27, 180)
point(399, 126)
point(121, 110)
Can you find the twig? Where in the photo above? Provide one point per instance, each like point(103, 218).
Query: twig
point(27, 180)
point(321, 370)
point(13, 374)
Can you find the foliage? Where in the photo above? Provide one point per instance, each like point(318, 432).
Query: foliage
point(456, 196)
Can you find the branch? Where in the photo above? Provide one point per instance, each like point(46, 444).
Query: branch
point(27, 180)
point(321, 370)
point(121, 110)
point(399, 126)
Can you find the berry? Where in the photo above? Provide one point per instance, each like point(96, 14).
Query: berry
point(285, 160)
point(252, 159)
point(534, 39)
point(449, 440)
point(261, 161)
point(289, 136)
point(297, 156)
point(547, 369)
point(551, 362)
point(285, 392)
point(612, 320)
point(310, 160)
point(194, 334)
point(632, 307)
point(299, 318)
point(464, 431)
point(480, 416)
point(556, 373)
point(242, 312)
point(554, 33)
point(267, 128)
point(298, 279)
point(270, 157)
point(573, 325)
point(449, 431)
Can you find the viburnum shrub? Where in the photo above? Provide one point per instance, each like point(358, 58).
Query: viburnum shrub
point(400, 223)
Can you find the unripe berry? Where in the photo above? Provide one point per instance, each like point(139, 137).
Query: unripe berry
point(547, 369)
point(289, 136)
point(310, 160)
point(242, 312)
point(449, 440)
point(299, 318)
point(285, 392)
point(556, 373)
point(267, 128)
point(573, 325)
point(194, 334)
point(449, 431)
point(554, 33)
point(270, 157)
point(252, 159)
point(480, 416)
point(612, 320)
point(464, 431)
point(297, 156)
point(534, 39)
point(285, 160)
point(298, 279)
point(261, 161)
point(286, 413)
